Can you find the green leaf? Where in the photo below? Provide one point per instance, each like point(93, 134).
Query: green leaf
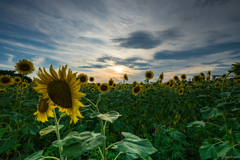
point(238, 137)
point(132, 145)
point(30, 103)
point(27, 147)
point(85, 108)
point(4, 115)
point(2, 131)
point(118, 126)
point(63, 115)
point(227, 103)
point(208, 151)
point(35, 156)
point(49, 129)
point(76, 144)
point(7, 143)
point(235, 92)
point(109, 116)
point(198, 124)
point(3, 99)
point(233, 122)
point(16, 117)
point(227, 149)
point(208, 112)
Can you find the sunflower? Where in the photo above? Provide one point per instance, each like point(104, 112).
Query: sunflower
point(61, 89)
point(5, 80)
point(161, 76)
point(83, 78)
point(91, 79)
point(17, 80)
point(92, 90)
point(125, 77)
point(224, 75)
point(171, 81)
point(114, 85)
point(3, 90)
point(135, 83)
point(138, 88)
point(217, 84)
point(25, 80)
point(98, 84)
point(141, 83)
point(149, 75)
point(44, 109)
point(24, 67)
point(175, 78)
point(104, 87)
point(181, 91)
point(208, 78)
point(110, 82)
point(209, 73)
point(201, 74)
point(183, 77)
point(24, 85)
point(143, 92)
point(196, 78)
point(135, 106)
point(171, 85)
point(125, 86)
point(179, 84)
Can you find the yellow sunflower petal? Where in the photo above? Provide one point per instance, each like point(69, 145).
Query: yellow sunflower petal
point(53, 73)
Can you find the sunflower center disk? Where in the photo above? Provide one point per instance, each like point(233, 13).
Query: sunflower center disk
point(60, 93)
point(103, 88)
point(137, 89)
point(5, 80)
point(149, 75)
point(43, 105)
point(82, 79)
point(25, 67)
point(17, 80)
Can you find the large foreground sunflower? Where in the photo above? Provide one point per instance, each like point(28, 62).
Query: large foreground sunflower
point(5, 80)
point(61, 89)
point(24, 67)
point(44, 109)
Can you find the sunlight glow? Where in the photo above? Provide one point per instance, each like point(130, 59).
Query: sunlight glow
point(119, 69)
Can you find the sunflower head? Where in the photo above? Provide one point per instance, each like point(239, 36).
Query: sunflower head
point(171, 85)
point(209, 73)
point(181, 91)
point(125, 77)
point(24, 67)
point(5, 80)
point(92, 90)
point(62, 90)
point(138, 88)
point(183, 76)
point(224, 75)
point(3, 90)
point(111, 82)
point(17, 80)
point(98, 84)
point(217, 84)
point(149, 75)
point(104, 87)
point(175, 78)
point(179, 84)
point(24, 85)
point(196, 78)
point(91, 79)
point(201, 74)
point(83, 78)
point(161, 76)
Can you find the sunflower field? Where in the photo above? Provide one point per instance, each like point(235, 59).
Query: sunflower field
point(63, 116)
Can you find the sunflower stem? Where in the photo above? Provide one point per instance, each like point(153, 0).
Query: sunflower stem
point(57, 133)
point(21, 94)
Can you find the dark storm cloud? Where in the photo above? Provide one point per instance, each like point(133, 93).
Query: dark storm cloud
point(94, 66)
point(197, 52)
point(210, 3)
point(138, 39)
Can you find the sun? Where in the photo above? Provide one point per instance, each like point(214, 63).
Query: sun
point(119, 69)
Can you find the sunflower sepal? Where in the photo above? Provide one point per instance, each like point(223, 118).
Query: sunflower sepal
point(49, 129)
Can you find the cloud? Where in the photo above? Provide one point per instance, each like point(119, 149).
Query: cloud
point(38, 60)
point(10, 57)
point(210, 3)
point(94, 66)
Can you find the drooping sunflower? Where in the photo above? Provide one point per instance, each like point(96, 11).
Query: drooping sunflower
point(183, 77)
point(5, 80)
point(137, 89)
point(3, 90)
point(61, 89)
point(83, 79)
point(161, 76)
point(149, 75)
point(224, 75)
point(92, 90)
point(110, 82)
point(181, 91)
point(91, 79)
point(175, 78)
point(44, 109)
point(17, 80)
point(104, 87)
point(209, 73)
point(24, 67)
point(125, 77)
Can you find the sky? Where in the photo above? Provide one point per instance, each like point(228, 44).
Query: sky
point(95, 37)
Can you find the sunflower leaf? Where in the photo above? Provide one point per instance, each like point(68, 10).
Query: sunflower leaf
point(134, 146)
point(2, 131)
point(109, 116)
point(76, 144)
point(35, 156)
point(7, 143)
point(49, 129)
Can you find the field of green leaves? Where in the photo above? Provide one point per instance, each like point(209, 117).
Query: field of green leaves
point(69, 117)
